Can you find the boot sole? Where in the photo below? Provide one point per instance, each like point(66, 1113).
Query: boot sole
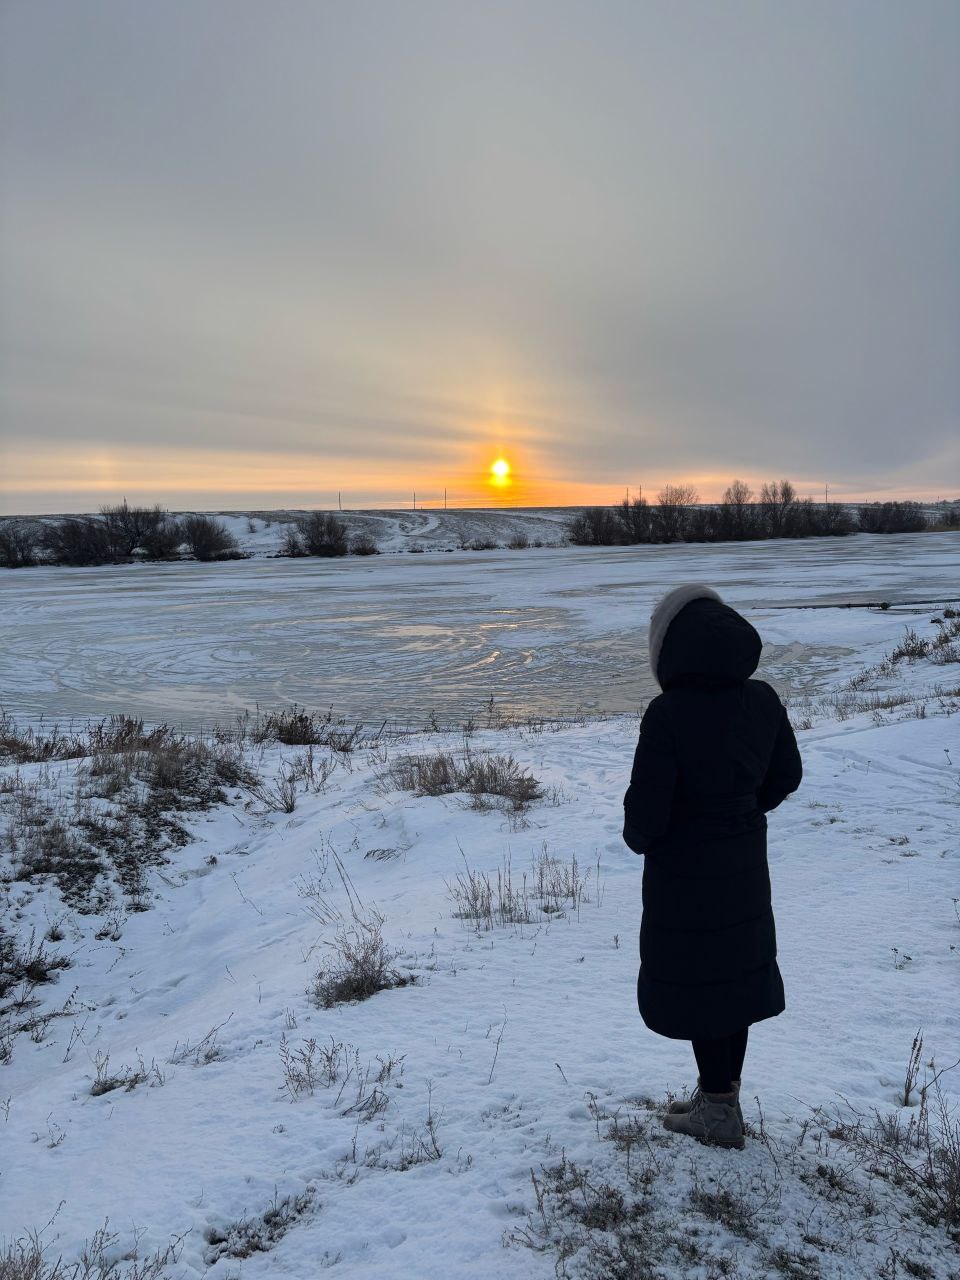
point(730, 1144)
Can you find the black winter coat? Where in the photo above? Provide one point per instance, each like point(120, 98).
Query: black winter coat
point(716, 754)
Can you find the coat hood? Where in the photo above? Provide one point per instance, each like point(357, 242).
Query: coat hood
point(694, 634)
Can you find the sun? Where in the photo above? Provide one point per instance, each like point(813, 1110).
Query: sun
point(500, 471)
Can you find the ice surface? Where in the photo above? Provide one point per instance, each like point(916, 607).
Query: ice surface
point(543, 631)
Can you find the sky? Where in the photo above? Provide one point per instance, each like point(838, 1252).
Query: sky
point(256, 254)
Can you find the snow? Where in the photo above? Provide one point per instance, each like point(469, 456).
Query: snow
point(508, 1035)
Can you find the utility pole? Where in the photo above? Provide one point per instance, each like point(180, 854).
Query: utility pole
point(339, 503)
point(414, 499)
point(444, 497)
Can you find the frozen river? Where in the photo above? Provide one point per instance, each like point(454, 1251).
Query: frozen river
point(543, 631)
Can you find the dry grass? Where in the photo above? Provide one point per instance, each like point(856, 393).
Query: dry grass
point(919, 1154)
point(491, 781)
point(113, 815)
point(259, 1234)
point(127, 1078)
point(553, 887)
point(360, 966)
point(28, 745)
point(296, 727)
point(485, 902)
point(93, 812)
point(27, 963)
point(27, 1258)
point(846, 1193)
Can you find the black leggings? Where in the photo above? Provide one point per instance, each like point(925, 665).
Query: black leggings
point(720, 1061)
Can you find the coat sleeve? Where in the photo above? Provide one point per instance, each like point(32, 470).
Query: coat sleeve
point(785, 769)
point(649, 799)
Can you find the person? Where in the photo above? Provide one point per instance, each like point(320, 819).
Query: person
point(716, 754)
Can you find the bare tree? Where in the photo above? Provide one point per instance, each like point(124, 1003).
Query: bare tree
point(121, 524)
point(777, 500)
point(736, 512)
point(670, 517)
point(148, 529)
point(634, 519)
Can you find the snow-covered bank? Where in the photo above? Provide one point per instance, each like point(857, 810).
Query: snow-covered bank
point(260, 533)
point(410, 1154)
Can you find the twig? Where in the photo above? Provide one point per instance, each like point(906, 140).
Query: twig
point(497, 1049)
point(233, 877)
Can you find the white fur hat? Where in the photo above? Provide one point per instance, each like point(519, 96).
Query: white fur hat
point(666, 610)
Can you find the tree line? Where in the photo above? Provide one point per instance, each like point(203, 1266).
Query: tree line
point(777, 512)
point(122, 532)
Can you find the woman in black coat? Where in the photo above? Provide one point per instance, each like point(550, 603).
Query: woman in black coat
point(716, 754)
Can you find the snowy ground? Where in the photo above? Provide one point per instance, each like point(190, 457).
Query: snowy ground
point(517, 1044)
point(543, 632)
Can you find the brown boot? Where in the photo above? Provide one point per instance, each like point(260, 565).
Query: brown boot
point(712, 1118)
point(682, 1107)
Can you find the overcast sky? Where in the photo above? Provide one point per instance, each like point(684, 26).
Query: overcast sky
point(255, 252)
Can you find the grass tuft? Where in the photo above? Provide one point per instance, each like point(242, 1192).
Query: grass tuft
point(361, 965)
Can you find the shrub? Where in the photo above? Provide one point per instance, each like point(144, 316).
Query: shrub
point(19, 543)
point(209, 538)
point(519, 541)
point(161, 538)
point(190, 773)
point(292, 544)
point(77, 540)
point(892, 517)
point(323, 534)
point(364, 544)
point(483, 543)
point(594, 527)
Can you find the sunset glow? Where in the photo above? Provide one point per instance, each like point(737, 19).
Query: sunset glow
point(317, 295)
